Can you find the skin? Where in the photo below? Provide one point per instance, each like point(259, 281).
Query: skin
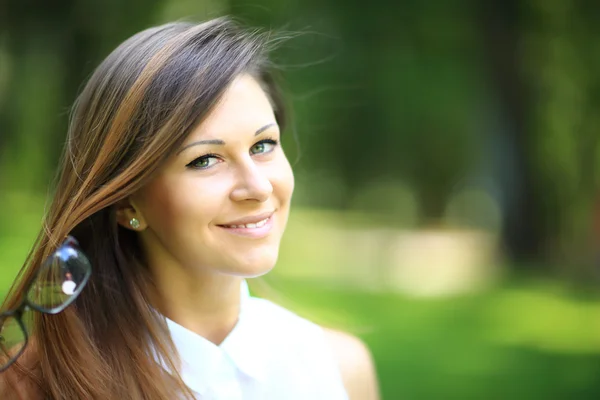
point(356, 365)
point(198, 263)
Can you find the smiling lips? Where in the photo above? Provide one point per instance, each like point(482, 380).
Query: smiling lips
point(251, 225)
point(256, 226)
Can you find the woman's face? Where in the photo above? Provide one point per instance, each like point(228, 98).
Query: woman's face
point(221, 203)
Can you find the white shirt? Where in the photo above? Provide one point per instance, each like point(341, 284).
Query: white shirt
point(271, 354)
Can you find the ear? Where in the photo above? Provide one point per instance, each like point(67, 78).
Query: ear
point(128, 213)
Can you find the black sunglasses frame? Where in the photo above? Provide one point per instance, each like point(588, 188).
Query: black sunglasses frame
point(25, 304)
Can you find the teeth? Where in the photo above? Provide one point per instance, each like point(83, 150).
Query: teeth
point(259, 224)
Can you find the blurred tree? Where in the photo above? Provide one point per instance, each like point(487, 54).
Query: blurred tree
point(501, 29)
point(560, 65)
point(544, 57)
point(53, 47)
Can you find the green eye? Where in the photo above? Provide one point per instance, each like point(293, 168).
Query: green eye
point(204, 162)
point(264, 146)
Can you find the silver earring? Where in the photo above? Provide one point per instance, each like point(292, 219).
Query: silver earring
point(134, 223)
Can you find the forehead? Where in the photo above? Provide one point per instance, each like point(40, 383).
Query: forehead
point(243, 107)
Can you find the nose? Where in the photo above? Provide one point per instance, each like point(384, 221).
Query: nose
point(252, 184)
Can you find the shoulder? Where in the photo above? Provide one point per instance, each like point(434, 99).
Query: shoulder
point(355, 363)
point(330, 353)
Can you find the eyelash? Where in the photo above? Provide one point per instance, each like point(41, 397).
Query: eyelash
point(192, 165)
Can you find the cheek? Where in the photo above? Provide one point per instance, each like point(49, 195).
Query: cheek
point(159, 205)
point(165, 205)
point(283, 181)
point(170, 205)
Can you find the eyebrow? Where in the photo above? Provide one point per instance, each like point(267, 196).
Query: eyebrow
point(221, 142)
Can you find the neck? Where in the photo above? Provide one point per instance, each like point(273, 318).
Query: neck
point(208, 305)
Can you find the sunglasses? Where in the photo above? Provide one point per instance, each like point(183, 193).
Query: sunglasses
point(55, 286)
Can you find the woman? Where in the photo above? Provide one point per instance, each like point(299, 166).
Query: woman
point(174, 183)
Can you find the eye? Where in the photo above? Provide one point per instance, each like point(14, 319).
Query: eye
point(204, 162)
point(264, 146)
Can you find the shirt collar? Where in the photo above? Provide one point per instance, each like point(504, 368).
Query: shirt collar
point(203, 362)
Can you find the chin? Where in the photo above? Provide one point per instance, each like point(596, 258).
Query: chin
point(252, 268)
point(254, 273)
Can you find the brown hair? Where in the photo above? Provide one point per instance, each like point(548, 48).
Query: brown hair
point(134, 113)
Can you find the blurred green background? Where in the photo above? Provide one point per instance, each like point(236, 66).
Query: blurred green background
point(447, 206)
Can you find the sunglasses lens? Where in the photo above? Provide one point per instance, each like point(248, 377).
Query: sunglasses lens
point(60, 280)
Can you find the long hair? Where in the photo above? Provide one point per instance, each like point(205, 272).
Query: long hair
point(134, 112)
